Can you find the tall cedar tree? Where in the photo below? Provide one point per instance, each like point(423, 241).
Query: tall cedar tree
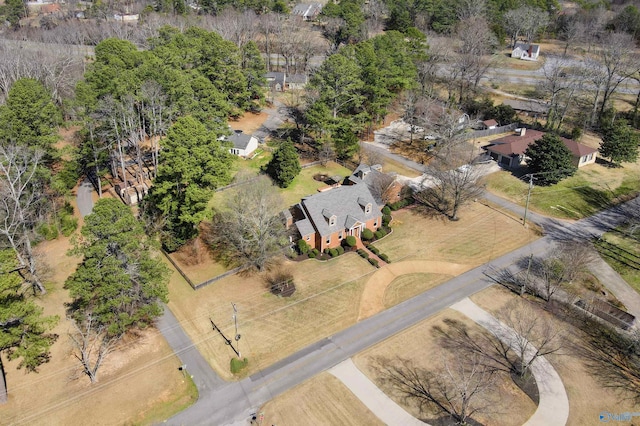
point(23, 329)
point(192, 165)
point(29, 118)
point(620, 143)
point(550, 157)
point(120, 283)
point(285, 165)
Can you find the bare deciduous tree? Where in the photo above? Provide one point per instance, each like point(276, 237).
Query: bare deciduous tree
point(21, 201)
point(472, 61)
point(449, 183)
point(248, 229)
point(528, 335)
point(91, 345)
point(461, 390)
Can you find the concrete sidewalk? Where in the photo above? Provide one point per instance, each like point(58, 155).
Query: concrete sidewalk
point(553, 407)
point(380, 404)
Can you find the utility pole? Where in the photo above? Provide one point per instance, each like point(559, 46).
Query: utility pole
point(235, 323)
point(526, 207)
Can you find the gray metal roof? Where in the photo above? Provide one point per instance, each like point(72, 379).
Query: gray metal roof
point(344, 203)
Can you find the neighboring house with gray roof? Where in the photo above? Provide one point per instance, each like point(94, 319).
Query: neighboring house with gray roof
point(276, 80)
point(326, 218)
point(243, 144)
point(308, 12)
point(296, 81)
point(384, 187)
point(526, 51)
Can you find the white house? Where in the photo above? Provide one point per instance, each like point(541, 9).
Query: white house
point(243, 144)
point(527, 52)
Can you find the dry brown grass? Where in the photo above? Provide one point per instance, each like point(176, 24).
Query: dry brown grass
point(326, 301)
point(406, 286)
point(330, 294)
point(480, 235)
point(322, 400)
point(249, 122)
point(419, 345)
point(587, 397)
point(138, 383)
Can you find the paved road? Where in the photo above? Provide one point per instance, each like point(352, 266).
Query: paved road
point(85, 202)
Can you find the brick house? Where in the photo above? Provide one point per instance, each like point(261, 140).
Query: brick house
point(509, 151)
point(323, 220)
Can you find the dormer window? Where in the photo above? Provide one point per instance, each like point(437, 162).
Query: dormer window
point(332, 220)
point(367, 208)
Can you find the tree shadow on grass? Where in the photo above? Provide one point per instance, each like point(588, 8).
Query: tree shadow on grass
point(595, 199)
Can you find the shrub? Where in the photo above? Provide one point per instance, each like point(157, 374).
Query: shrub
point(312, 255)
point(280, 282)
point(340, 250)
point(373, 249)
point(386, 219)
point(363, 253)
point(367, 234)
point(374, 262)
point(303, 247)
point(326, 250)
point(68, 225)
point(400, 204)
point(48, 232)
point(380, 233)
point(333, 252)
point(350, 241)
point(237, 365)
point(315, 251)
point(384, 257)
point(386, 211)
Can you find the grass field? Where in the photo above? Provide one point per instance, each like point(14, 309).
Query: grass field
point(481, 234)
point(587, 397)
point(409, 285)
point(322, 400)
point(591, 189)
point(329, 294)
point(326, 301)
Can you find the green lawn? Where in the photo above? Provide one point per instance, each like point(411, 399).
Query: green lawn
point(616, 257)
point(591, 189)
point(261, 158)
point(304, 184)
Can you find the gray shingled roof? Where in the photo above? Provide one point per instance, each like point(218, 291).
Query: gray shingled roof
point(305, 227)
point(240, 140)
point(342, 202)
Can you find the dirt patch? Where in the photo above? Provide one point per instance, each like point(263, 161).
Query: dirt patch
point(322, 400)
point(249, 122)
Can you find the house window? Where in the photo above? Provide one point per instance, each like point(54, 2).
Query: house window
point(589, 157)
point(375, 223)
point(308, 237)
point(340, 235)
point(367, 208)
point(328, 239)
point(332, 221)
